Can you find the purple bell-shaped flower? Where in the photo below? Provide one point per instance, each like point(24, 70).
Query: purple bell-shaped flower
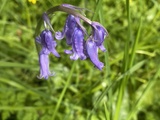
point(99, 34)
point(44, 66)
point(77, 45)
point(67, 30)
point(48, 46)
point(92, 52)
point(47, 41)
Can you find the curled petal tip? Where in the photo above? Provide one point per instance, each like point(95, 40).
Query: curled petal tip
point(74, 57)
point(59, 35)
point(46, 77)
point(83, 57)
point(68, 51)
point(102, 48)
point(55, 53)
point(100, 66)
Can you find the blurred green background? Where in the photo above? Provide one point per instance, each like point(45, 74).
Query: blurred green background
point(126, 89)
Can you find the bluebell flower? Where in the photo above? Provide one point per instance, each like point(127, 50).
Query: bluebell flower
point(44, 66)
point(48, 46)
point(99, 34)
point(77, 45)
point(92, 52)
point(72, 22)
point(74, 33)
point(67, 30)
point(47, 42)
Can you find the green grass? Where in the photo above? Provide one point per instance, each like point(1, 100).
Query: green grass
point(126, 89)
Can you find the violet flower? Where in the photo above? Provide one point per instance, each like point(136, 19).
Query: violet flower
point(92, 52)
point(77, 45)
point(67, 30)
point(99, 34)
point(72, 22)
point(44, 66)
point(47, 41)
point(74, 33)
point(48, 46)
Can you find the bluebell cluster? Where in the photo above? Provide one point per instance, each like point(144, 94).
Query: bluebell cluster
point(74, 33)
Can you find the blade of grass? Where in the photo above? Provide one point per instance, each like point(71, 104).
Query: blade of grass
point(17, 65)
point(107, 113)
point(126, 49)
point(145, 91)
point(133, 51)
point(125, 65)
point(99, 11)
point(107, 68)
point(25, 87)
point(3, 5)
point(98, 6)
point(101, 16)
point(63, 91)
point(114, 83)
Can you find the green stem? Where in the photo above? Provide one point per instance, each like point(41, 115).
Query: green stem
point(125, 67)
point(133, 52)
point(63, 92)
point(107, 73)
point(69, 11)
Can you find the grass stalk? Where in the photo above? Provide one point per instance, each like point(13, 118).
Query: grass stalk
point(145, 91)
point(125, 66)
point(63, 91)
point(107, 65)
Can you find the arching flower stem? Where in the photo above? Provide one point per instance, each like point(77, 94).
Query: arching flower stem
point(69, 11)
point(63, 9)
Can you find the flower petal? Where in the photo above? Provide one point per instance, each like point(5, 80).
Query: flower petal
point(44, 67)
point(77, 45)
point(102, 48)
point(59, 35)
point(92, 51)
point(51, 44)
point(99, 33)
point(45, 51)
point(48, 42)
point(68, 51)
point(71, 24)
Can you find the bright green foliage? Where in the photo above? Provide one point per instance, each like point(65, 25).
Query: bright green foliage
point(126, 89)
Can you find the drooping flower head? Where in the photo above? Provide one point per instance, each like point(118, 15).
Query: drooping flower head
point(99, 34)
point(77, 45)
point(44, 66)
point(48, 46)
point(74, 32)
point(92, 52)
point(67, 30)
point(47, 42)
point(71, 24)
